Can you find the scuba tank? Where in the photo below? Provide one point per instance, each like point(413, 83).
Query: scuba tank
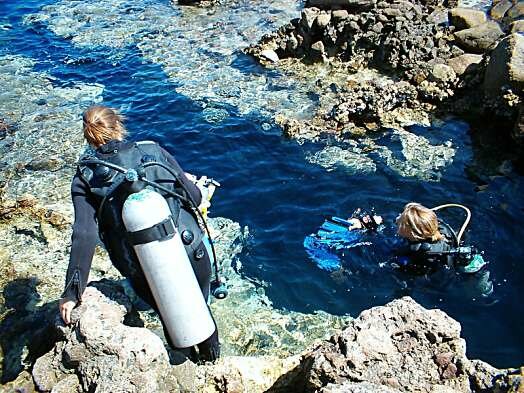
point(167, 268)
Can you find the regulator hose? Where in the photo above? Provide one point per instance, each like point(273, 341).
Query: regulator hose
point(95, 161)
point(466, 221)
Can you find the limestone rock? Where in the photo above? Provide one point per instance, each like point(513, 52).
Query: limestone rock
point(338, 4)
point(499, 10)
point(517, 27)
point(516, 12)
point(420, 348)
point(506, 66)
point(480, 38)
point(462, 63)
point(465, 18)
point(103, 353)
point(443, 73)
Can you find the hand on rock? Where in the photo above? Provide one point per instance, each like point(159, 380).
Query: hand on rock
point(66, 306)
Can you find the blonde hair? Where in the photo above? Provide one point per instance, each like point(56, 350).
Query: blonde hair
point(418, 223)
point(102, 124)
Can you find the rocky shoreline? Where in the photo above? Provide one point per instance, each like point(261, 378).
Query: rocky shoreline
point(111, 348)
point(430, 59)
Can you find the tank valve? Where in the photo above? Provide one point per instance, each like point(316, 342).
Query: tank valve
point(218, 289)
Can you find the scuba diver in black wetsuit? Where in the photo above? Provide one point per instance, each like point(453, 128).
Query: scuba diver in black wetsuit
point(429, 243)
point(100, 189)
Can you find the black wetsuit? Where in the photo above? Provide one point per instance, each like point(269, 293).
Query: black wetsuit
point(425, 256)
point(89, 223)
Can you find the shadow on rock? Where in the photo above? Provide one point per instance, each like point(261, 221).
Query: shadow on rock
point(26, 331)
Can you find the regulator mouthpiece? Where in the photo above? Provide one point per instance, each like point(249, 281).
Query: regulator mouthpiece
point(218, 289)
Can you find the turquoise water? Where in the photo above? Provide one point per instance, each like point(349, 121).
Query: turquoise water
point(179, 77)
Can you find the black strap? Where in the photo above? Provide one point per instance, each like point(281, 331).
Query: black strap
point(161, 231)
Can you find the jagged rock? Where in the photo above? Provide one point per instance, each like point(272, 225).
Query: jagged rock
point(517, 27)
point(461, 64)
point(465, 18)
point(338, 4)
point(506, 66)
point(421, 348)
point(518, 130)
point(105, 355)
point(480, 38)
point(443, 73)
point(516, 12)
point(498, 11)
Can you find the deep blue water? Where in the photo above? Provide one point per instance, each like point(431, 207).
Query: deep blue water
point(268, 185)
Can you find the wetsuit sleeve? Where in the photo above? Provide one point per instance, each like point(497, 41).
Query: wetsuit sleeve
point(83, 241)
point(188, 185)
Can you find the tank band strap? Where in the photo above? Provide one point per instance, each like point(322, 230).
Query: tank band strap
point(161, 231)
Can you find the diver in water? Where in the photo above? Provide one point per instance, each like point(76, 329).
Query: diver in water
point(99, 192)
point(426, 243)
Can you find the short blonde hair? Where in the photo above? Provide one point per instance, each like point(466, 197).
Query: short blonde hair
point(418, 223)
point(102, 124)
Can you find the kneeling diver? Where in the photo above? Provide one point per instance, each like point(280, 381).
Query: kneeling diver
point(153, 235)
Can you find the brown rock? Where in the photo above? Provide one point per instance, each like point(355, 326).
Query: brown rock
point(518, 130)
point(480, 38)
point(461, 64)
point(506, 66)
point(465, 18)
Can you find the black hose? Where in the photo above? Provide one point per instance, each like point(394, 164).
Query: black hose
point(174, 174)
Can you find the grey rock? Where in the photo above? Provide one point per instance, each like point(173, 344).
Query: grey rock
point(498, 11)
point(421, 348)
point(270, 55)
point(465, 18)
point(323, 19)
point(462, 63)
point(308, 17)
point(340, 15)
point(518, 129)
point(480, 38)
point(337, 4)
point(358, 387)
point(516, 12)
point(517, 27)
point(443, 73)
point(105, 354)
point(506, 66)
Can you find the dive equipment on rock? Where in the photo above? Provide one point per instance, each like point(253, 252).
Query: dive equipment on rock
point(136, 180)
point(167, 268)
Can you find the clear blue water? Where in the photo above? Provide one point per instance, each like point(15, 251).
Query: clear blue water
point(268, 185)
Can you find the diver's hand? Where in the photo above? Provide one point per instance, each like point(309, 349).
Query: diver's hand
point(355, 224)
point(66, 306)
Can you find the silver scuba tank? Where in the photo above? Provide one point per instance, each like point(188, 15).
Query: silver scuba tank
point(167, 268)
